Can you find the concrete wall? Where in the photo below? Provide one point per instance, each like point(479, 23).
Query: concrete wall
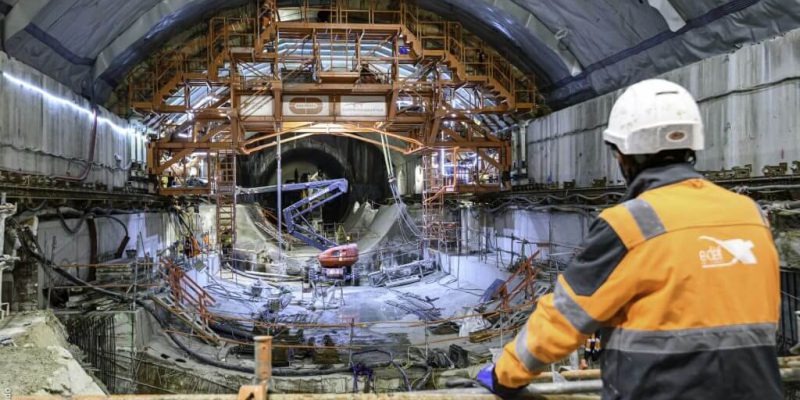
point(47, 129)
point(553, 233)
point(157, 230)
point(749, 101)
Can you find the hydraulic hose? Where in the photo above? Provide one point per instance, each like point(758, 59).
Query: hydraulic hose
point(165, 326)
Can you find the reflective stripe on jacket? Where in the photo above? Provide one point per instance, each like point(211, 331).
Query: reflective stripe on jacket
point(683, 279)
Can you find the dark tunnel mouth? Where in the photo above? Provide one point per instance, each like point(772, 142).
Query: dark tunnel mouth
point(336, 210)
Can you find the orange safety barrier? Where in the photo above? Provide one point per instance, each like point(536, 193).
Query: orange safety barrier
point(186, 291)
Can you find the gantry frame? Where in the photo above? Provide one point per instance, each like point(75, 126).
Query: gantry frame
point(423, 82)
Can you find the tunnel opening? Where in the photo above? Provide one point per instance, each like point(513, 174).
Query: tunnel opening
point(323, 158)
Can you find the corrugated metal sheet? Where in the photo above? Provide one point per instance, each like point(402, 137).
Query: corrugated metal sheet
point(749, 100)
point(40, 136)
point(157, 231)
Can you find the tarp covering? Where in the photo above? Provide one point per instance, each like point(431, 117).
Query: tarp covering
point(578, 48)
point(49, 134)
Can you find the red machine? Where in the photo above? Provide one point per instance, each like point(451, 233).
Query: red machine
point(339, 256)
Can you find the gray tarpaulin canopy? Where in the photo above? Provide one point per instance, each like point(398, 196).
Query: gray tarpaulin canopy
point(577, 48)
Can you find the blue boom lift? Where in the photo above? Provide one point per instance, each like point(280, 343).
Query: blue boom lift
point(294, 216)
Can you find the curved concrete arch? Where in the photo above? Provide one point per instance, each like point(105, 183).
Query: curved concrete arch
point(144, 26)
point(577, 49)
point(541, 31)
point(21, 15)
point(671, 16)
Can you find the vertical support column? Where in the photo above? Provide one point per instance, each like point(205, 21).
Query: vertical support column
point(263, 371)
point(263, 354)
point(279, 193)
point(6, 210)
point(352, 332)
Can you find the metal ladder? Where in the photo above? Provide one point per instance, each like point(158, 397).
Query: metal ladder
point(433, 190)
point(225, 199)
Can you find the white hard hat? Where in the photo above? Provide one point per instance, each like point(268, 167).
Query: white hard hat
point(652, 116)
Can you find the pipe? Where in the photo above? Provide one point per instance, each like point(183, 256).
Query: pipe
point(279, 198)
point(564, 387)
point(532, 391)
point(747, 189)
point(789, 205)
point(199, 357)
point(536, 390)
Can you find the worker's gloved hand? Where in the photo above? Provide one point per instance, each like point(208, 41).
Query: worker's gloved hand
point(487, 379)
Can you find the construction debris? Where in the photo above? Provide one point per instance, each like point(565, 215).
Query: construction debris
point(41, 350)
point(402, 274)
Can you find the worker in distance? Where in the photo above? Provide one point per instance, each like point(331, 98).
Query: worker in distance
point(681, 279)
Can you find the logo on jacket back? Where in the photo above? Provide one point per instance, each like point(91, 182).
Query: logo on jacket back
point(725, 253)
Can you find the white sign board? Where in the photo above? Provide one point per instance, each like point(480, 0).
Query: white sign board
point(306, 106)
point(256, 106)
point(362, 106)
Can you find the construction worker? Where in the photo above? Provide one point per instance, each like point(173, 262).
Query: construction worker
point(681, 278)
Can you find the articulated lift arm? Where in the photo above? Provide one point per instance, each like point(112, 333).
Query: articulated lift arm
point(294, 216)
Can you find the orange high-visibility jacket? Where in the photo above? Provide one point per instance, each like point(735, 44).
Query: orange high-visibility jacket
point(682, 281)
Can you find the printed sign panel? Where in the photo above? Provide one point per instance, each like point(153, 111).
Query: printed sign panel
point(306, 106)
point(363, 106)
point(256, 106)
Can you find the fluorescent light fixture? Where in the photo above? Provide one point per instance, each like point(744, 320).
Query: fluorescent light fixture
point(49, 97)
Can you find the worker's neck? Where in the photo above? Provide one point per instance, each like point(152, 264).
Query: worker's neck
point(654, 177)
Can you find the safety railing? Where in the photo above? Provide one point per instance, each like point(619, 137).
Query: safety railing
point(169, 72)
point(186, 291)
point(432, 35)
point(227, 33)
point(501, 72)
point(318, 12)
point(141, 85)
point(336, 232)
point(216, 43)
point(252, 76)
point(476, 62)
point(386, 16)
point(455, 45)
point(197, 65)
point(354, 16)
point(336, 51)
point(525, 90)
point(469, 57)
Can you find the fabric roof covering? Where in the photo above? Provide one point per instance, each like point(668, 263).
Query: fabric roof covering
point(577, 48)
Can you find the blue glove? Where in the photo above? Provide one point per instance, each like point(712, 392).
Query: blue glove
point(487, 379)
